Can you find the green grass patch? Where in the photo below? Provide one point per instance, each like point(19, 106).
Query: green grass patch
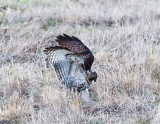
point(22, 1)
point(52, 23)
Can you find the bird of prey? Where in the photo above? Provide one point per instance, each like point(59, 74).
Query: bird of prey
point(72, 62)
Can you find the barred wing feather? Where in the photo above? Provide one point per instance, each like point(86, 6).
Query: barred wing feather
point(62, 66)
point(68, 71)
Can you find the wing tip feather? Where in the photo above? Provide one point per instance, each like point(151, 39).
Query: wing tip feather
point(47, 49)
point(65, 37)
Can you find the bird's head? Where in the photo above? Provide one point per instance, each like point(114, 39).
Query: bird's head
point(91, 75)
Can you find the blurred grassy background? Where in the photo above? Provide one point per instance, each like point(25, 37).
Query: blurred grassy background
point(124, 36)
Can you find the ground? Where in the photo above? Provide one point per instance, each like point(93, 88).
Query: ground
point(124, 36)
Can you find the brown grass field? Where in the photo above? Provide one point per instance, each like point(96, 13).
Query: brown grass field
point(124, 36)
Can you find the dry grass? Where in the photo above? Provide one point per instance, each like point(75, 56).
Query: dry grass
point(125, 39)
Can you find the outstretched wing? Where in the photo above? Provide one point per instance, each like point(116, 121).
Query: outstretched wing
point(68, 70)
point(61, 65)
point(74, 45)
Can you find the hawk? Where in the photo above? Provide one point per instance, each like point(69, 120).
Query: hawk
point(72, 62)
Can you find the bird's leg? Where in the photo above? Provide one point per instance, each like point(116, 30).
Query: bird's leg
point(85, 95)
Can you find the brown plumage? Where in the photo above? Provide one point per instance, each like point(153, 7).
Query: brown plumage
point(72, 61)
point(74, 45)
